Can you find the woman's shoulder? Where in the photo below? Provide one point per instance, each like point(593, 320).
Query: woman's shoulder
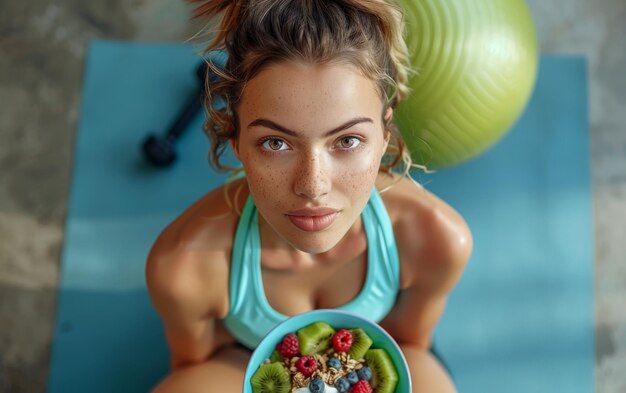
point(208, 225)
point(193, 252)
point(431, 236)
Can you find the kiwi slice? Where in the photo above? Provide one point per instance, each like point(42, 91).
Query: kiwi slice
point(271, 378)
point(315, 338)
point(384, 375)
point(361, 342)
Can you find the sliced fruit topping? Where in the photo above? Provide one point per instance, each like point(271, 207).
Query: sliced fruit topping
point(271, 378)
point(384, 375)
point(315, 338)
point(361, 342)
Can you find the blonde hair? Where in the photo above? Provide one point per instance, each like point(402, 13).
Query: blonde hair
point(367, 34)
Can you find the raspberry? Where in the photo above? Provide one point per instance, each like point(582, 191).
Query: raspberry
point(289, 347)
point(361, 387)
point(342, 340)
point(306, 365)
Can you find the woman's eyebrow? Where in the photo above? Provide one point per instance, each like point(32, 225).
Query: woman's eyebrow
point(261, 122)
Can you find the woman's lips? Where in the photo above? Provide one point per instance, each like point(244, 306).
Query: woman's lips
point(313, 223)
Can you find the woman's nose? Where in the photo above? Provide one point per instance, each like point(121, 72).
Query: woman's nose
point(312, 177)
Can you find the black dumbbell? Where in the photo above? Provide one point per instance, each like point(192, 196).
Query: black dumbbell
point(160, 151)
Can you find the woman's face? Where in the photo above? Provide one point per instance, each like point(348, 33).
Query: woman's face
point(311, 141)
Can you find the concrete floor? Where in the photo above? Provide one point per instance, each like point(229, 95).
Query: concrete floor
point(42, 47)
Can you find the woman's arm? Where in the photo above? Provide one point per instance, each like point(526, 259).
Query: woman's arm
point(187, 289)
point(187, 274)
point(434, 244)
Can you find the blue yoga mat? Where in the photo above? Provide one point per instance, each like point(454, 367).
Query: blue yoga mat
point(519, 321)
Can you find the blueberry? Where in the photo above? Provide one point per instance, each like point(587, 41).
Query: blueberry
point(334, 363)
point(365, 373)
point(352, 377)
point(317, 385)
point(342, 385)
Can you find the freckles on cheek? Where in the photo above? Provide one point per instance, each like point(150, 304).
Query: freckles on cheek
point(259, 180)
point(360, 178)
point(266, 182)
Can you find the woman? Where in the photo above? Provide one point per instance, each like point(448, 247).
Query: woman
point(319, 220)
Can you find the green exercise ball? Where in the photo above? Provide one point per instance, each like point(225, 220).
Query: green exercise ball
point(475, 63)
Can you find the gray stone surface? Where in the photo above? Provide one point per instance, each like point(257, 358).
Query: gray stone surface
point(42, 47)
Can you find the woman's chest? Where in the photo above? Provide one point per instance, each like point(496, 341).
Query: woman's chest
point(327, 285)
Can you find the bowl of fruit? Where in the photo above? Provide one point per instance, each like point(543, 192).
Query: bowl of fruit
point(327, 351)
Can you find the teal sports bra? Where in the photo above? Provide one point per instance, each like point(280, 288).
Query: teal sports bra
point(251, 317)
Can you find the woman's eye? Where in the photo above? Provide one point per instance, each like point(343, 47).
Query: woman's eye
point(349, 142)
point(274, 144)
